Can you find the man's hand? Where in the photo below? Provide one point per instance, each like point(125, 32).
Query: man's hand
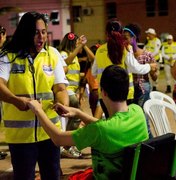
point(22, 103)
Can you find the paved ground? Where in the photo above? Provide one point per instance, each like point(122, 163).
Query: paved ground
point(68, 165)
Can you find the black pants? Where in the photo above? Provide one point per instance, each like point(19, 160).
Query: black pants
point(25, 156)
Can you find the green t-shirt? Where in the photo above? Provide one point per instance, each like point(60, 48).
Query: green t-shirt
point(112, 135)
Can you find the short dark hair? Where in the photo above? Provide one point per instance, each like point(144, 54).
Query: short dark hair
point(115, 82)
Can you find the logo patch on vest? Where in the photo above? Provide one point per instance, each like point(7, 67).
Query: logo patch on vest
point(48, 70)
point(17, 68)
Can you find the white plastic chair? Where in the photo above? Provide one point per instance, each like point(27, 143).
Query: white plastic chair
point(161, 96)
point(155, 109)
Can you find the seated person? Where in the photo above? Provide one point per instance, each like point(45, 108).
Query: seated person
point(125, 126)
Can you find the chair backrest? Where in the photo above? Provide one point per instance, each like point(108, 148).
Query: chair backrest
point(156, 111)
point(107, 166)
point(152, 160)
point(161, 96)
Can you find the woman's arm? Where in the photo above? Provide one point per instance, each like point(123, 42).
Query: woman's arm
point(94, 69)
point(134, 67)
point(80, 43)
point(89, 53)
point(57, 136)
point(66, 111)
point(7, 96)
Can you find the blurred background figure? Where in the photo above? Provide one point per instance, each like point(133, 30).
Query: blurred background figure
point(2, 36)
point(90, 83)
point(153, 45)
point(2, 41)
point(71, 45)
point(169, 55)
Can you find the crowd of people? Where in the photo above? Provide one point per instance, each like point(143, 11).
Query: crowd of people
point(40, 85)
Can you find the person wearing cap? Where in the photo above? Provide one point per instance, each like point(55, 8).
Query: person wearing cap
point(115, 51)
point(169, 54)
point(153, 45)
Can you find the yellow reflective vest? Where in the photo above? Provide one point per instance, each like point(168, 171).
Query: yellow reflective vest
point(170, 50)
point(23, 126)
point(103, 61)
point(150, 46)
point(73, 74)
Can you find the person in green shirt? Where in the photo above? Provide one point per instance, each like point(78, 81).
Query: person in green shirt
point(125, 126)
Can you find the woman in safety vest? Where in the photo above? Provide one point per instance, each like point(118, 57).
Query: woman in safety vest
point(69, 48)
point(30, 69)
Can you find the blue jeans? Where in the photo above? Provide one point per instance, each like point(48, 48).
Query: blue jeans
point(25, 156)
point(140, 98)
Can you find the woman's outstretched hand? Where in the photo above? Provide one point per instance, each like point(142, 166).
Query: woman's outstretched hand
point(65, 111)
point(35, 105)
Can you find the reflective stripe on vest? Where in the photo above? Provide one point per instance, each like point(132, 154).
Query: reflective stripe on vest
point(169, 49)
point(25, 124)
point(73, 75)
point(71, 71)
point(42, 96)
point(73, 83)
point(150, 46)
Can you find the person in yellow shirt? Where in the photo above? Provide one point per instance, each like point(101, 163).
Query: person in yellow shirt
point(153, 45)
point(70, 46)
point(116, 51)
point(169, 54)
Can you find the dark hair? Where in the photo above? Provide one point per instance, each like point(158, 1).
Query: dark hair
point(94, 48)
point(23, 38)
point(68, 43)
point(133, 29)
point(115, 82)
point(115, 41)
